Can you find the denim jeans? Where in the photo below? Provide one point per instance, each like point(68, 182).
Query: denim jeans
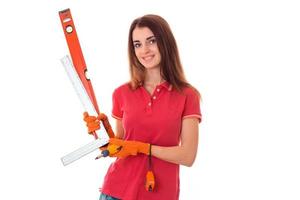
point(106, 197)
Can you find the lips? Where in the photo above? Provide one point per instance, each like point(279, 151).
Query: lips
point(148, 58)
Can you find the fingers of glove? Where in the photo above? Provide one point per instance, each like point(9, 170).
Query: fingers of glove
point(115, 141)
point(93, 127)
point(93, 124)
point(102, 116)
point(85, 114)
point(89, 119)
point(113, 149)
point(92, 130)
point(119, 155)
point(124, 152)
point(128, 147)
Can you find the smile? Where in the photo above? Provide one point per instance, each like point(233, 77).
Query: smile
point(147, 58)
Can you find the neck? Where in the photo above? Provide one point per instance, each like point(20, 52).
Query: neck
point(153, 77)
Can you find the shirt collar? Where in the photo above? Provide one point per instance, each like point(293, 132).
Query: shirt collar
point(166, 85)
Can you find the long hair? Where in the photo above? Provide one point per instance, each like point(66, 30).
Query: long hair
point(171, 68)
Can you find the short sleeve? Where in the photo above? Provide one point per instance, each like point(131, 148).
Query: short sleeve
point(192, 105)
point(117, 112)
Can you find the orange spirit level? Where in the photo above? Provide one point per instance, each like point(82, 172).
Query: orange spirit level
point(76, 53)
point(77, 73)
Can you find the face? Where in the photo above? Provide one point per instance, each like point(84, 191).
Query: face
point(145, 47)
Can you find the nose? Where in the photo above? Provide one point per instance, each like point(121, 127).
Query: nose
point(145, 48)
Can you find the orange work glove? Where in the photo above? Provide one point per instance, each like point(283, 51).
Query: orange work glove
point(123, 148)
point(92, 122)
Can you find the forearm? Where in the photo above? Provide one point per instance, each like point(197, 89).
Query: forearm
point(119, 130)
point(185, 153)
point(175, 154)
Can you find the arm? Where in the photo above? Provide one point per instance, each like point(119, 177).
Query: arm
point(185, 153)
point(119, 133)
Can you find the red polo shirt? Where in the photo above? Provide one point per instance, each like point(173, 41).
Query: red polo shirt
point(154, 119)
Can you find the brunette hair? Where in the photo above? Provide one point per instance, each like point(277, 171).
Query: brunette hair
point(171, 68)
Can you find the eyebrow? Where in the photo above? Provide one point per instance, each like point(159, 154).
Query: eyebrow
point(148, 38)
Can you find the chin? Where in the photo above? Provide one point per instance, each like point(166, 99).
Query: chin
point(150, 66)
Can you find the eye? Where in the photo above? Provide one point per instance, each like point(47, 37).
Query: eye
point(152, 41)
point(136, 45)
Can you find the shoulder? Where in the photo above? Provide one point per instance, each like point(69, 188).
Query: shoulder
point(191, 91)
point(192, 103)
point(122, 90)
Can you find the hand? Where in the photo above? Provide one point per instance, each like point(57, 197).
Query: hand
point(92, 122)
point(123, 148)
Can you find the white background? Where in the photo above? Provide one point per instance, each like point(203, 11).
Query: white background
point(243, 56)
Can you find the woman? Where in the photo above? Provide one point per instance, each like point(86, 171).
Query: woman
point(157, 116)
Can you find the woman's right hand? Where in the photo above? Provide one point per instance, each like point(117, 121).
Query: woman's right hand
point(92, 122)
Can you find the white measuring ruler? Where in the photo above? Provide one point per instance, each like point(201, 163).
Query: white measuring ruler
point(89, 107)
